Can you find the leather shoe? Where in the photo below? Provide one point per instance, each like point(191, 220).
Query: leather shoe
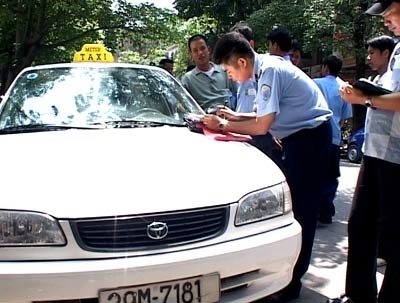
point(341, 299)
point(325, 219)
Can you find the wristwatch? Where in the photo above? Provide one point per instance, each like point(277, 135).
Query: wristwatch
point(368, 103)
point(222, 125)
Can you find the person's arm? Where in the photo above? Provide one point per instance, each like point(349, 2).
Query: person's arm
point(231, 115)
point(387, 102)
point(255, 126)
point(356, 96)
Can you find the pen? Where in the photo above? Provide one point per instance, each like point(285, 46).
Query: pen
point(222, 107)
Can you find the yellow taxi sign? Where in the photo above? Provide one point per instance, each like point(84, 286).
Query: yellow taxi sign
point(93, 53)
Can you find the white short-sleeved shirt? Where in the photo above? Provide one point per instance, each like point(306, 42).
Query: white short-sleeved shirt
point(382, 127)
point(293, 96)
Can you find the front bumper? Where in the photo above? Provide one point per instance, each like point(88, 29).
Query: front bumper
point(250, 268)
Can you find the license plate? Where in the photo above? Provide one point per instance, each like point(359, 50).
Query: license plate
point(201, 289)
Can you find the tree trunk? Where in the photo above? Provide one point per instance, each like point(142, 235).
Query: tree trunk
point(362, 25)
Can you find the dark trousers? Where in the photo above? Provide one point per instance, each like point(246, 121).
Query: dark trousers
point(330, 187)
point(306, 165)
point(374, 219)
point(266, 144)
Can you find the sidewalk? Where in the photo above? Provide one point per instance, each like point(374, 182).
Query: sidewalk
point(326, 274)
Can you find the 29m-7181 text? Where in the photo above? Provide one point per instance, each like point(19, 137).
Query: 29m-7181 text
point(195, 290)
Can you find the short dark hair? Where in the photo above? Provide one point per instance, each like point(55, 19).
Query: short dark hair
point(282, 37)
point(382, 43)
point(195, 38)
point(243, 29)
point(164, 61)
point(231, 46)
point(334, 64)
point(296, 46)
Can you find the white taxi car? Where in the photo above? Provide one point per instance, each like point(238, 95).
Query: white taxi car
point(108, 195)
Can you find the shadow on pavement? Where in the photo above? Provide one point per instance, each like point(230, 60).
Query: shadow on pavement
point(329, 253)
point(330, 243)
point(307, 295)
point(326, 274)
point(310, 296)
point(347, 163)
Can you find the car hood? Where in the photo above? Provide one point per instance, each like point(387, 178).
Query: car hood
point(93, 173)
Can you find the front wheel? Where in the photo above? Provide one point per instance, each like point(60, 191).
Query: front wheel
point(354, 154)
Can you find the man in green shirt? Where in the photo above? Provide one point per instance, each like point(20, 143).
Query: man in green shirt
point(208, 83)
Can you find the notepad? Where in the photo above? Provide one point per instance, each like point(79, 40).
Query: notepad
point(370, 88)
point(226, 136)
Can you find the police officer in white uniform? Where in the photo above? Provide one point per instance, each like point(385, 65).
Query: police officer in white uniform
point(375, 208)
point(292, 108)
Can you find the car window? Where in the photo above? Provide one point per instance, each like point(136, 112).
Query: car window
point(87, 95)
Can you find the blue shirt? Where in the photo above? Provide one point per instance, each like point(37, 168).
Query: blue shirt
point(247, 90)
point(341, 110)
point(293, 96)
point(246, 95)
point(287, 58)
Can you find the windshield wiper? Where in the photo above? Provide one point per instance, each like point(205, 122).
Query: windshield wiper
point(45, 127)
point(129, 123)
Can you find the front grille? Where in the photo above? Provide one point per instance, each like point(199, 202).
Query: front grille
point(131, 232)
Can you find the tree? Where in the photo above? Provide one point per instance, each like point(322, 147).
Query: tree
point(357, 28)
point(196, 25)
point(323, 26)
point(225, 12)
point(40, 31)
point(32, 29)
point(277, 13)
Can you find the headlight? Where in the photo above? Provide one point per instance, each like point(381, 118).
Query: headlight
point(21, 228)
point(264, 204)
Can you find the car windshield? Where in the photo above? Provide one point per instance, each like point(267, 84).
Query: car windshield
point(90, 95)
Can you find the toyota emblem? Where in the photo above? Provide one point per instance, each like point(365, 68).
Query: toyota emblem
point(157, 230)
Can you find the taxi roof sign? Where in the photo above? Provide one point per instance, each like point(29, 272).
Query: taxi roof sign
point(93, 53)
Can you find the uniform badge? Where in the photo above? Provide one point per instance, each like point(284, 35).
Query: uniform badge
point(265, 92)
point(251, 92)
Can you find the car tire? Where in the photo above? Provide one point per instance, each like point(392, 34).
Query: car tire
point(354, 154)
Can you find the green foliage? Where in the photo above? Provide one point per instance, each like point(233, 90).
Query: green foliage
point(147, 27)
point(129, 56)
point(320, 17)
point(313, 23)
point(38, 31)
point(276, 13)
point(322, 26)
point(197, 25)
point(225, 12)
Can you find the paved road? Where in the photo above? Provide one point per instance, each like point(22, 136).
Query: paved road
point(326, 275)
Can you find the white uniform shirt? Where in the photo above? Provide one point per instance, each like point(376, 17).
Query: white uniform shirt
point(382, 127)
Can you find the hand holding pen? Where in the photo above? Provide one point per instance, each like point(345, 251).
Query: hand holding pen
point(226, 113)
